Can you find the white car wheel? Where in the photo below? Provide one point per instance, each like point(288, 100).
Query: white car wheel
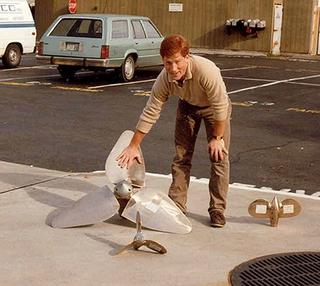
point(128, 69)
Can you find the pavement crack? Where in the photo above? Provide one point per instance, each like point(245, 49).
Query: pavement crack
point(35, 184)
point(238, 155)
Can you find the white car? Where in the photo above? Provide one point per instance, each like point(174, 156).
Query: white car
point(17, 31)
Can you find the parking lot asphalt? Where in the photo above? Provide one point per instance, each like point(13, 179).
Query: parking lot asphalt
point(70, 126)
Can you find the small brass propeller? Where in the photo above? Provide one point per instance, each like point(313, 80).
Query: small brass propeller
point(139, 241)
point(274, 210)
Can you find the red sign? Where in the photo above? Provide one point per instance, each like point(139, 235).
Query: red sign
point(72, 7)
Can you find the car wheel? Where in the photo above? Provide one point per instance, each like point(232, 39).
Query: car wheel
point(12, 56)
point(67, 72)
point(128, 68)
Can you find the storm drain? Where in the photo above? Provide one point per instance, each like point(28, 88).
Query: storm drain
point(284, 269)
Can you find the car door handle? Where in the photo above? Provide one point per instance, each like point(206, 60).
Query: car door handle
point(94, 46)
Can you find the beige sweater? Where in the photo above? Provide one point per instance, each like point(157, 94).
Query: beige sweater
point(203, 86)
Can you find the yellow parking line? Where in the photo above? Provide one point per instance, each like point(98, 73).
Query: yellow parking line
point(294, 109)
point(143, 93)
point(57, 87)
point(244, 104)
point(75, 89)
point(314, 111)
point(15, 83)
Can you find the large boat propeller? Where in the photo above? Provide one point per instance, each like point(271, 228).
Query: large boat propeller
point(129, 197)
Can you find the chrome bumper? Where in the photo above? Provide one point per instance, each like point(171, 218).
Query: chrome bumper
point(82, 62)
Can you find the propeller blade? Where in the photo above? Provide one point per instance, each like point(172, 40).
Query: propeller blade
point(116, 174)
point(155, 246)
point(260, 208)
point(139, 235)
point(124, 248)
point(94, 207)
point(157, 212)
point(274, 212)
point(289, 208)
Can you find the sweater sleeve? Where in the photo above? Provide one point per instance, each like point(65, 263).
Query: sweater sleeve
point(151, 112)
point(213, 84)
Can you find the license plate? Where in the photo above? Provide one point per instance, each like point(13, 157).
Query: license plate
point(72, 47)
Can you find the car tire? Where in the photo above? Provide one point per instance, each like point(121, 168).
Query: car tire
point(12, 56)
point(128, 69)
point(67, 72)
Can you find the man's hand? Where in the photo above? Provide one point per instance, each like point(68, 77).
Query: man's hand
point(128, 155)
point(131, 153)
point(217, 149)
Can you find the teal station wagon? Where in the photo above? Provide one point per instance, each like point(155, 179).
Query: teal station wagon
point(99, 42)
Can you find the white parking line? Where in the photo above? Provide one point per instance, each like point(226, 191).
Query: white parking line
point(243, 68)
point(273, 83)
point(123, 83)
point(150, 80)
point(269, 80)
point(248, 78)
point(305, 83)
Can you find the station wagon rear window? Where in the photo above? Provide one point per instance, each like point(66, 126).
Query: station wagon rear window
point(151, 30)
point(89, 28)
point(138, 31)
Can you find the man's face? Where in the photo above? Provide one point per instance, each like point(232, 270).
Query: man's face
point(176, 65)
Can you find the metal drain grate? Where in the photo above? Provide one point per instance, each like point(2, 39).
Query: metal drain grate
point(284, 269)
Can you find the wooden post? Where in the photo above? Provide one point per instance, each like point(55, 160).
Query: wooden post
point(315, 31)
point(276, 27)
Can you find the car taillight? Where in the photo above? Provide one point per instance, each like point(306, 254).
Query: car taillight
point(40, 48)
point(104, 52)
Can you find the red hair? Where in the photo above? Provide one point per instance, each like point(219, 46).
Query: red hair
point(174, 44)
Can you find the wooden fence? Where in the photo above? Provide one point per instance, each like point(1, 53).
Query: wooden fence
point(203, 21)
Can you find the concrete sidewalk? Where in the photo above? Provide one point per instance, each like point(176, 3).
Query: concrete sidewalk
point(32, 253)
point(249, 54)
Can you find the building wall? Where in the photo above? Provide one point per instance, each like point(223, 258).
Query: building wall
point(46, 11)
point(202, 21)
point(297, 25)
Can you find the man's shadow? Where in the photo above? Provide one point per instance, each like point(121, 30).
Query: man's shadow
point(35, 186)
